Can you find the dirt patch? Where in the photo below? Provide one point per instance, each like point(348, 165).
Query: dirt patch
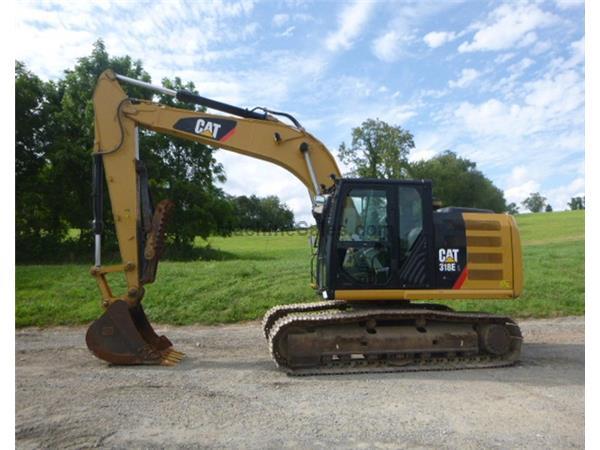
point(228, 393)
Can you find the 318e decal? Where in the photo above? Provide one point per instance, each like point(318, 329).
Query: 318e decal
point(448, 260)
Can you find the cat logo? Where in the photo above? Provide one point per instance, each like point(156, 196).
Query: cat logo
point(218, 129)
point(207, 128)
point(448, 259)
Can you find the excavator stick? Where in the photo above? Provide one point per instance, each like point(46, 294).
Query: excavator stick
point(123, 336)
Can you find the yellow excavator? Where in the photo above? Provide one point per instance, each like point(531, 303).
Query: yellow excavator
point(383, 250)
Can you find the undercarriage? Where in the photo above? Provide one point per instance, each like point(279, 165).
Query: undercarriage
point(338, 337)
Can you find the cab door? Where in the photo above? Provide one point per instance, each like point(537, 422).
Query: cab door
point(363, 256)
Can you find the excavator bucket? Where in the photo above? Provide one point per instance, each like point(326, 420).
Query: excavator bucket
point(123, 336)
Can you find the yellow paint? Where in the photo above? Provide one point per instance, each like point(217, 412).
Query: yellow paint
point(421, 294)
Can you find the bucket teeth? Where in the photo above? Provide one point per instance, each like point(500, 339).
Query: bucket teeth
point(172, 357)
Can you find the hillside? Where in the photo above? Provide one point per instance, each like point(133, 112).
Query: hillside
point(252, 273)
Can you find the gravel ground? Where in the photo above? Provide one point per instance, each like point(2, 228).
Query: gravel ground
point(228, 393)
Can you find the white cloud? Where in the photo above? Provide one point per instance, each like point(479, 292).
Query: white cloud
point(545, 103)
point(303, 17)
point(507, 26)
point(556, 95)
point(510, 85)
point(517, 194)
point(52, 35)
point(577, 56)
point(560, 196)
point(398, 114)
point(520, 185)
point(351, 22)
point(249, 30)
point(420, 154)
point(565, 4)
point(467, 76)
point(436, 39)
point(401, 30)
point(289, 31)
point(528, 39)
point(358, 99)
point(280, 20)
point(541, 47)
point(386, 47)
point(500, 59)
point(521, 66)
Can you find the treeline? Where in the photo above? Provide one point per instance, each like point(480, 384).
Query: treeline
point(535, 203)
point(264, 214)
point(53, 140)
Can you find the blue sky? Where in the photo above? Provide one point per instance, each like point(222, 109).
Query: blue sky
point(499, 83)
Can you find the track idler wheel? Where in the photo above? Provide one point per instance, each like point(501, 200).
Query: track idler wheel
point(495, 339)
point(123, 336)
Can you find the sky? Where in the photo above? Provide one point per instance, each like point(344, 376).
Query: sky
point(499, 83)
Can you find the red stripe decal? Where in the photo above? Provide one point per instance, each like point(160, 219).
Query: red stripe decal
point(461, 279)
point(227, 136)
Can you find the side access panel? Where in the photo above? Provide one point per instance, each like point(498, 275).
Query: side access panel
point(489, 252)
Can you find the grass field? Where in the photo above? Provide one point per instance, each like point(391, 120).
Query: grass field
point(259, 271)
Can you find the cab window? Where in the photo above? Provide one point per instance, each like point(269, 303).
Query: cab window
point(410, 220)
point(363, 246)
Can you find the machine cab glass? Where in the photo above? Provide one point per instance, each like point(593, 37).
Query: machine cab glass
point(364, 250)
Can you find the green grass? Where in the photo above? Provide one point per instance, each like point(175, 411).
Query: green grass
point(259, 271)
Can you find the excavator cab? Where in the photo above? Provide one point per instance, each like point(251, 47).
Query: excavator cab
point(375, 235)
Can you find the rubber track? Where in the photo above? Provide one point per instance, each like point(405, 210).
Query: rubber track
point(366, 366)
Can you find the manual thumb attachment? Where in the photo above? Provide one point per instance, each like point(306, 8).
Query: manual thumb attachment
point(124, 336)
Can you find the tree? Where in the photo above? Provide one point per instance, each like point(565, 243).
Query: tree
point(276, 216)
point(512, 209)
point(577, 203)
point(548, 208)
point(37, 222)
point(535, 202)
point(54, 138)
point(378, 150)
point(262, 214)
point(457, 182)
